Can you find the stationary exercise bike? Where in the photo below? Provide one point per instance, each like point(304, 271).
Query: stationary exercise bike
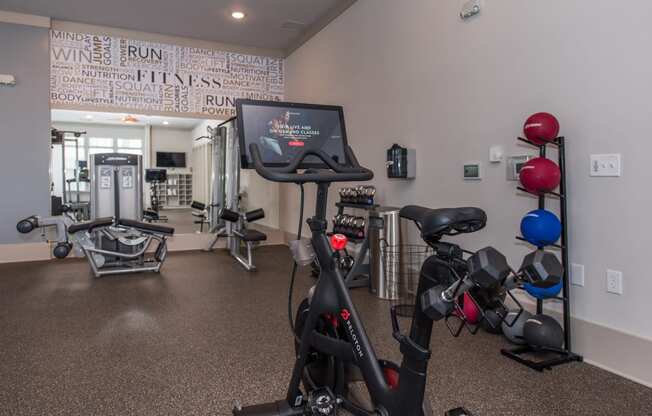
point(332, 345)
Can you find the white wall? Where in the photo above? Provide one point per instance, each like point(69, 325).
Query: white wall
point(261, 193)
point(415, 74)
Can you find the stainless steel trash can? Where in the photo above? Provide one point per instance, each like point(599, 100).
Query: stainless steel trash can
point(384, 282)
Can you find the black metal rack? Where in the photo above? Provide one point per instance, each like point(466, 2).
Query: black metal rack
point(552, 356)
point(359, 275)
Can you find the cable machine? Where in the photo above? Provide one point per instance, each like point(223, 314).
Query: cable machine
point(80, 175)
point(224, 214)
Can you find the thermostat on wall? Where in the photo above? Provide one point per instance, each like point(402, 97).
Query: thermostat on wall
point(472, 171)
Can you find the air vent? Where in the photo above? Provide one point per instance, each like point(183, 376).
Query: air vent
point(290, 25)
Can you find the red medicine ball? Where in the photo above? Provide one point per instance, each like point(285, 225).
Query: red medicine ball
point(540, 175)
point(541, 128)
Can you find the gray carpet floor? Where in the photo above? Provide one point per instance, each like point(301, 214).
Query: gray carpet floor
point(205, 332)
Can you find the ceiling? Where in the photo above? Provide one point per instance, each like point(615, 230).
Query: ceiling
point(275, 24)
point(87, 117)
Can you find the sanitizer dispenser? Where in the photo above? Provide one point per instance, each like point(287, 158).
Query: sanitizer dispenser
point(401, 162)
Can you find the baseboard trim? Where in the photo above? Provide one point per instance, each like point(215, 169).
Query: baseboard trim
point(642, 382)
point(610, 349)
point(38, 251)
point(24, 252)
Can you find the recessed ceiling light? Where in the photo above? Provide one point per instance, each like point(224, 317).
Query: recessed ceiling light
point(238, 15)
point(88, 117)
point(165, 122)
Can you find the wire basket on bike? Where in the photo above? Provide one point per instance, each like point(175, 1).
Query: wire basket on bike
point(401, 267)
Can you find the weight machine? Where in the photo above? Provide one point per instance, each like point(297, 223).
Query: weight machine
point(115, 241)
point(225, 217)
point(80, 174)
point(111, 245)
point(155, 177)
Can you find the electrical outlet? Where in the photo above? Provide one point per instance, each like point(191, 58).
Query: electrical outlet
point(615, 282)
point(577, 274)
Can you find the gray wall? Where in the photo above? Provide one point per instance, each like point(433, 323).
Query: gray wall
point(24, 127)
point(420, 76)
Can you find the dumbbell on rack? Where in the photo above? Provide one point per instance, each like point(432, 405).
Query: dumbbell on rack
point(488, 270)
point(349, 225)
point(361, 195)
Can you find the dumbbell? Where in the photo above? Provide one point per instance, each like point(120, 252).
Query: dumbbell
point(349, 229)
point(358, 227)
point(370, 192)
point(336, 223)
point(360, 194)
point(539, 268)
point(342, 192)
point(346, 262)
point(487, 269)
point(542, 268)
point(347, 195)
point(341, 223)
point(354, 196)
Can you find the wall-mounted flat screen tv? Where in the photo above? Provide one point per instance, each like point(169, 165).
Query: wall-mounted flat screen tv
point(170, 160)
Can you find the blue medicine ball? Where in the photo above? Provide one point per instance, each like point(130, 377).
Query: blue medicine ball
point(540, 292)
point(541, 227)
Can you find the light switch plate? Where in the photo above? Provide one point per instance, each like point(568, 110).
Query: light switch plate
point(577, 274)
point(615, 282)
point(605, 165)
point(496, 154)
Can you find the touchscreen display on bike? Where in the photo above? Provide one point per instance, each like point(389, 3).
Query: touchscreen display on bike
point(282, 130)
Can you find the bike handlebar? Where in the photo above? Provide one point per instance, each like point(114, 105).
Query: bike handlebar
point(337, 172)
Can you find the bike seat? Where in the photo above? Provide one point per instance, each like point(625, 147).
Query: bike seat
point(435, 223)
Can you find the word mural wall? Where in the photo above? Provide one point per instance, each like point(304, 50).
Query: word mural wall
point(124, 74)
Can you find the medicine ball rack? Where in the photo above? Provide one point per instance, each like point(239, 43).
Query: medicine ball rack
point(563, 355)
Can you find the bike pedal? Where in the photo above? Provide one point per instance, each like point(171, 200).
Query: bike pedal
point(322, 402)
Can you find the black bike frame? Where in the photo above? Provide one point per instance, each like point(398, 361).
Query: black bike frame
point(332, 296)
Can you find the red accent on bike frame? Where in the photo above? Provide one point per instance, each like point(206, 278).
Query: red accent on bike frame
point(332, 319)
point(339, 241)
point(345, 314)
point(391, 377)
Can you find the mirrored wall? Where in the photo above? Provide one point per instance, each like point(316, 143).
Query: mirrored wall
point(176, 167)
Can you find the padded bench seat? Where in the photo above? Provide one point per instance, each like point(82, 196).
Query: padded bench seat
point(146, 227)
point(90, 225)
point(252, 235)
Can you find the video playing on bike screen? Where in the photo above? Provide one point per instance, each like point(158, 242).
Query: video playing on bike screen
point(282, 130)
